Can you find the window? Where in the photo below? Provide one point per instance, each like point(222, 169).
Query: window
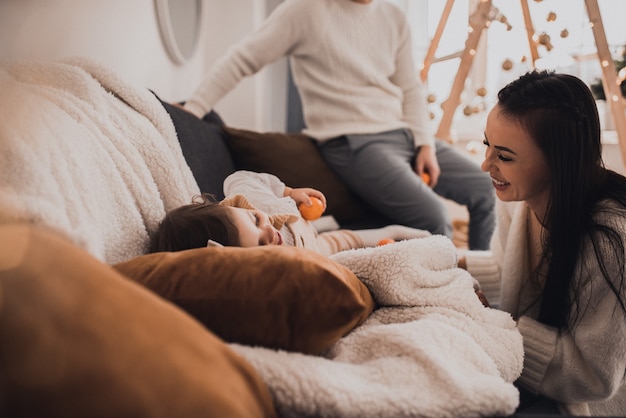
point(569, 47)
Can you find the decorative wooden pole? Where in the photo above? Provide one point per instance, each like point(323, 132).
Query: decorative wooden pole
point(609, 74)
point(477, 21)
point(530, 32)
point(480, 20)
point(434, 44)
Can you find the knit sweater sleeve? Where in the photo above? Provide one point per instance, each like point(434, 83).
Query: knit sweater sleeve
point(272, 40)
point(486, 266)
point(484, 269)
point(584, 365)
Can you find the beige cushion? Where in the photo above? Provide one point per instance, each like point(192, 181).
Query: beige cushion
point(77, 339)
point(278, 297)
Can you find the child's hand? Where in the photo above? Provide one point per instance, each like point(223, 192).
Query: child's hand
point(304, 194)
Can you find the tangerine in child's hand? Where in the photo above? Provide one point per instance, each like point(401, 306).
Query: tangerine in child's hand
point(313, 212)
point(426, 177)
point(386, 241)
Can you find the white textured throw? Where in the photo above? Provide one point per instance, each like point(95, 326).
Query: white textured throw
point(89, 155)
point(431, 349)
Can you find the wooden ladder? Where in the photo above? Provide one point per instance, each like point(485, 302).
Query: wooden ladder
point(479, 20)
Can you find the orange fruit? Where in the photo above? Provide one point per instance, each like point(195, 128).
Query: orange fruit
point(426, 177)
point(386, 241)
point(313, 212)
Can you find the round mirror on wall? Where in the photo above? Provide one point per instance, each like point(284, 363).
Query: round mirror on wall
point(179, 22)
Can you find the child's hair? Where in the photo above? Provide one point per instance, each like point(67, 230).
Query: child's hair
point(192, 226)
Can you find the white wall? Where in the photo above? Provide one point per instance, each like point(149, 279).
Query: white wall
point(258, 102)
point(124, 34)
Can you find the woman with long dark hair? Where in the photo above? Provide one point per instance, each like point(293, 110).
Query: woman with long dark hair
point(557, 259)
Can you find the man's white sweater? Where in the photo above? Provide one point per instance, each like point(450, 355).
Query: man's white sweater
point(352, 64)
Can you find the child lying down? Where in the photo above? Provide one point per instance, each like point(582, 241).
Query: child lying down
point(259, 209)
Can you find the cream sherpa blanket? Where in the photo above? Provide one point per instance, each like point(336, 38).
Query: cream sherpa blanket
point(431, 349)
point(89, 155)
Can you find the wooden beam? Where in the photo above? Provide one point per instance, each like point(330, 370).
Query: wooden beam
point(477, 22)
point(530, 32)
point(612, 91)
point(434, 43)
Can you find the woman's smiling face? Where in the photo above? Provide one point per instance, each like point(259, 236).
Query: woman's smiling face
point(517, 166)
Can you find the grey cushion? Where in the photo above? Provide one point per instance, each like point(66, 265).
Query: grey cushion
point(204, 147)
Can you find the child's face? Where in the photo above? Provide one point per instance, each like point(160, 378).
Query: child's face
point(255, 228)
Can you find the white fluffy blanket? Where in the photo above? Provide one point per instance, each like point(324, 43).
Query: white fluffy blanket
point(431, 349)
point(87, 154)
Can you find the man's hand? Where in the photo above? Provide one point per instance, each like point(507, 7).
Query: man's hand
point(426, 160)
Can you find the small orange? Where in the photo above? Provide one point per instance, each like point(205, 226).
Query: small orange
point(426, 177)
point(313, 212)
point(386, 241)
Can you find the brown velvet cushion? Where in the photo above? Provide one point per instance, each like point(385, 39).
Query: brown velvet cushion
point(278, 297)
point(77, 339)
point(295, 159)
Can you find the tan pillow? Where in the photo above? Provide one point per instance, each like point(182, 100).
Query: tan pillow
point(295, 159)
point(278, 297)
point(77, 339)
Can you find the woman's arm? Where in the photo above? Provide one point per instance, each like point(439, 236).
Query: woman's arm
point(587, 362)
point(483, 267)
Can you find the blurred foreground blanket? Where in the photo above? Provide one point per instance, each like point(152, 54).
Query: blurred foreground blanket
point(430, 350)
point(89, 155)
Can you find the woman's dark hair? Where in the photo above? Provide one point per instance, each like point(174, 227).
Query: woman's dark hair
point(192, 226)
point(560, 114)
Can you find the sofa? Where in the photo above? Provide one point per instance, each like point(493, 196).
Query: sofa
point(93, 325)
point(231, 149)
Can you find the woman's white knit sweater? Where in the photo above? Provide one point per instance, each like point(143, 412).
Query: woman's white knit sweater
point(583, 369)
point(352, 63)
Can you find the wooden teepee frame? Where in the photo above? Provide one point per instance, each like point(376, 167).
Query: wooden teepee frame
point(480, 20)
